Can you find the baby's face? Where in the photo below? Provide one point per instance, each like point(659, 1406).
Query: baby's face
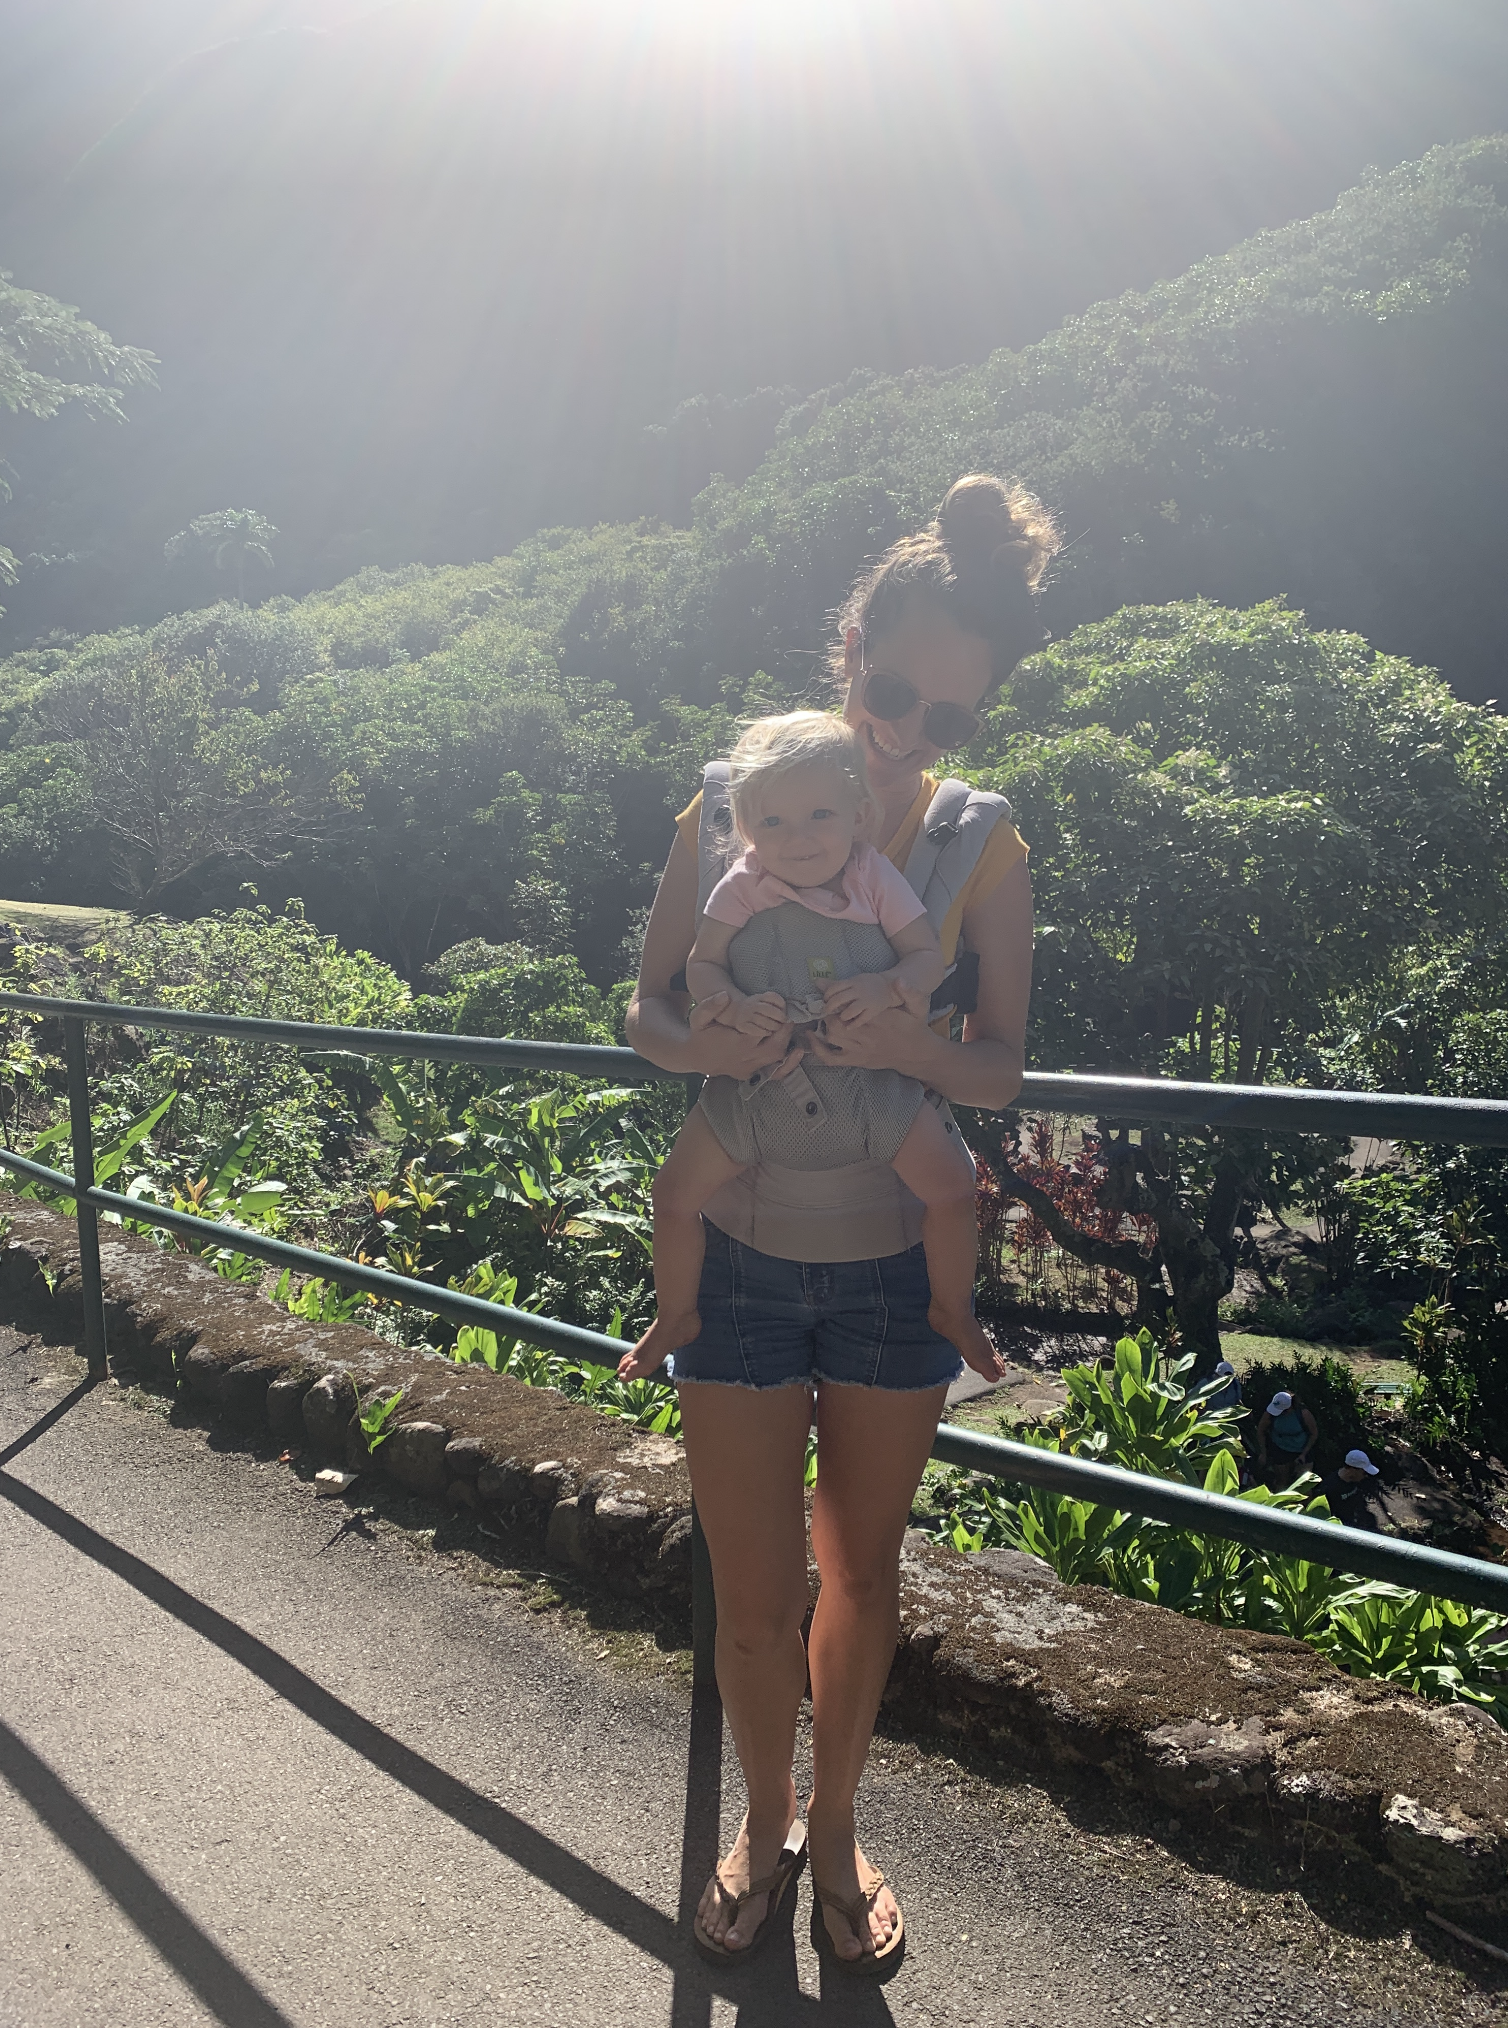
point(803, 826)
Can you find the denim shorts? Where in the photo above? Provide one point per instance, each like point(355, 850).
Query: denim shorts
point(780, 1323)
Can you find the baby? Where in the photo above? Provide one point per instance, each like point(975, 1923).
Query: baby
point(810, 923)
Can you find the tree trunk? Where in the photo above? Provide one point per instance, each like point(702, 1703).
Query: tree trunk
point(1198, 1271)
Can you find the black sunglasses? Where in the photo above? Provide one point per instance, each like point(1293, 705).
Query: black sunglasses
point(892, 698)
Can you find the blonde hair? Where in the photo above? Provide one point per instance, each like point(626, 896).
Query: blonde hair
point(771, 747)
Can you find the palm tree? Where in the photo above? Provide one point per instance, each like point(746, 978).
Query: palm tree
point(236, 535)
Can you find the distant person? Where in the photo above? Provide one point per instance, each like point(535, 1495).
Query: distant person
point(1286, 1436)
point(812, 926)
point(1348, 1489)
point(1224, 1388)
point(814, 1283)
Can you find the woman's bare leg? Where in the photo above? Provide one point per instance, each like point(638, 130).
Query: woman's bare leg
point(872, 1446)
point(935, 1166)
point(747, 1452)
point(695, 1169)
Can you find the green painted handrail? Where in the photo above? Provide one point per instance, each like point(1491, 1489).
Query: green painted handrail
point(1399, 1116)
point(1479, 1122)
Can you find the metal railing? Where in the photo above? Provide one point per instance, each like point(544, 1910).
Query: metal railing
point(1394, 1116)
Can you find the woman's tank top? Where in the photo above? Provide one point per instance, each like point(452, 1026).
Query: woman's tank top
point(862, 1211)
point(1288, 1431)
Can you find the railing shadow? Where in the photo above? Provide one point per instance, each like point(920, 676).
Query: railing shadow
point(766, 1991)
point(637, 1921)
point(177, 1939)
point(44, 1423)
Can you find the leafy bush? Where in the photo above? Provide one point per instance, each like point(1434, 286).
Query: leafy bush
point(1269, 1317)
point(1395, 1226)
point(1330, 1391)
point(246, 962)
point(1140, 1409)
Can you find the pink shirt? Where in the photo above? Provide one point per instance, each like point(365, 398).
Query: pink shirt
point(873, 891)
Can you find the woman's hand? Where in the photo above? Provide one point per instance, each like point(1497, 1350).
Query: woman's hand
point(859, 999)
point(718, 1050)
point(894, 1038)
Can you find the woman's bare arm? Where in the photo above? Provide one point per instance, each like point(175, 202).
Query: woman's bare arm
point(658, 1023)
point(986, 1068)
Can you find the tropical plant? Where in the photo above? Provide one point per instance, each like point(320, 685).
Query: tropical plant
point(1440, 1649)
point(375, 1417)
point(1139, 1414)
point(233, 537)
point(44, 344)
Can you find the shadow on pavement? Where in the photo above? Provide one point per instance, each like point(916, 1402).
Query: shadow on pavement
point(222, 1986)
point(40, 1428)
point(767, 1991)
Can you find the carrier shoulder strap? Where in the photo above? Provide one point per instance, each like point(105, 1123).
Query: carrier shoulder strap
point(716, 843)
point(959, 820)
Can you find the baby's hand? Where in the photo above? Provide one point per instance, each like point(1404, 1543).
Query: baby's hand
point(760, 1014)
point(858, 999)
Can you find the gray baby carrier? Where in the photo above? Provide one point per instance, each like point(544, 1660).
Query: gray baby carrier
point(959, 820)
point(825, 1116)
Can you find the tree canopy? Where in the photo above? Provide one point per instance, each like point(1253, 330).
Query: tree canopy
point(51, 358)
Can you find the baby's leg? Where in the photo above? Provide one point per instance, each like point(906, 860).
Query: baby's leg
point(694, 1170)
point(934, 1165)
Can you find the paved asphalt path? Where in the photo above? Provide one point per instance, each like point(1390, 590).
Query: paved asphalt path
point(260, 1768)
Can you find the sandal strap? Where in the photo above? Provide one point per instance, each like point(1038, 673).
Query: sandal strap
point(861, 1905)
point(768, 1885)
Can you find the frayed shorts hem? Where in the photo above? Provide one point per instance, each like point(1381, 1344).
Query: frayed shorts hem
point(813, 1382)
point(807, 1380)
point(769, 1323)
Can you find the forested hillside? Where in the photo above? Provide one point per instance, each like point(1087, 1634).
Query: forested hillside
point(427, 275)
point(495, 750)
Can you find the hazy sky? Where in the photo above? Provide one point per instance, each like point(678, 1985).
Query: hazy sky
point(439, 260)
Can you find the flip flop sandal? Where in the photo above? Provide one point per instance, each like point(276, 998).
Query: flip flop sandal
point(789, 1864)
point(869, 1964)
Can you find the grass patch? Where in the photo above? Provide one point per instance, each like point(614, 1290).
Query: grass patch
point(1245, 1349)
point(60, 922)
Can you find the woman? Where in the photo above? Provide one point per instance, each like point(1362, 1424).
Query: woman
point(1291, 1430)
point(834, 1298)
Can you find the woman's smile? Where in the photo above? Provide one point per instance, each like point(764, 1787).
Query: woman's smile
point(883, 748)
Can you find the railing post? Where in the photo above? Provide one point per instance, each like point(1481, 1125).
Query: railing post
point(76, 1055)
point(703, 1596)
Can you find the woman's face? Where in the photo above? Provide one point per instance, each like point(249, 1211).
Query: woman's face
point(943, 665)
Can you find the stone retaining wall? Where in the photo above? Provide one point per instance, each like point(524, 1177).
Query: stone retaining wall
point(1260, 1731)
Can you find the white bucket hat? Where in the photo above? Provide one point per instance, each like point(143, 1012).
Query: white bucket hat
point(1360, 1462)
point(1226, 1369)
point(1280, 1403)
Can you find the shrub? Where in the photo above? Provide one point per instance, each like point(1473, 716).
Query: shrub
point(1328, 1389)
point(1139, 1414)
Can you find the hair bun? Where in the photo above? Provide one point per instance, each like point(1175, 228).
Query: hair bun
point(988, 527)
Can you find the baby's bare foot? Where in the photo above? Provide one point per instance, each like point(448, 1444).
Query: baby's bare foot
point(664, 1336)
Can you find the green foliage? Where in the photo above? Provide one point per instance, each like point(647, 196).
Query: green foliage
point(45, 346)
point(647, 1404)
point(1440, 1649)
point(1396, 1226)
point(1459, 1347)
point(319, 1301)
point(1327, 1387)
point(233, 538)
point(245, 962)
point(1225, 812)
point(1138, 1414)
point(375, 1417)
